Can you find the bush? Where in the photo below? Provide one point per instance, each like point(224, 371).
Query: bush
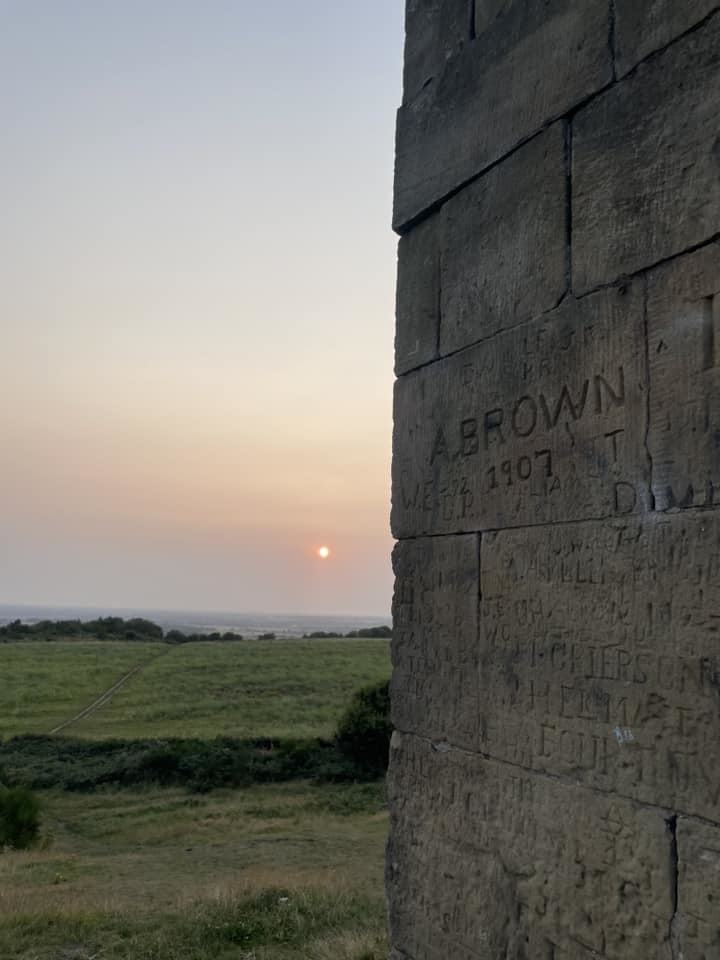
point(364, 730)
point(381, 633)
point(43, 762)
point(19, 818)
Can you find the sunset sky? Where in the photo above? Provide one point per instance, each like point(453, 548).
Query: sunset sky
point(197, 303)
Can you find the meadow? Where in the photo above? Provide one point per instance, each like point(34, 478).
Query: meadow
point(43, 685)
point(268, 871)
point(253, 688)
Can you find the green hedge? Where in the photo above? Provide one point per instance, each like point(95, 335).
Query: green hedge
point(42, 762)
point(364, 730)
point(19, 818)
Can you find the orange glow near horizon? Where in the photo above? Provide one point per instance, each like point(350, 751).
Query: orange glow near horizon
point(198, 383)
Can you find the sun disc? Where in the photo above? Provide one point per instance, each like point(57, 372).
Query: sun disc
point(324, 553)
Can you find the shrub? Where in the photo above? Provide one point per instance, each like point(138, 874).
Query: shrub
point(375, 632)
point(42, 762)
point(358, 753)
point(364, 730)
point(19, 818)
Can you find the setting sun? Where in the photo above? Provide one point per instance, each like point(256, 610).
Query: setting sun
point(324, 553)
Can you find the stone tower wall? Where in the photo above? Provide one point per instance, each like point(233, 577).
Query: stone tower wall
point(555, 774)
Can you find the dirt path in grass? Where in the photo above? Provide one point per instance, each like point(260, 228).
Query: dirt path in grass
point(108, 694)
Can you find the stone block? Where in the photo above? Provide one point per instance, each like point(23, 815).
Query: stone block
point(683, 317)
point(545, 422)
point(697, 926)
point(643, 26)
point(488, 861)
point(496, 92)
point(418, 296)
point(433, 30)
point(504, 245)
point(487, 12)
point(599, 656)
point(435, 638)
point(646, 164)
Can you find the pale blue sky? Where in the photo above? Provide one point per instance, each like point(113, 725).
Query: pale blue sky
point(197, 302)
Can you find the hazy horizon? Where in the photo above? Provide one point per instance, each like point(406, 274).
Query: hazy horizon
point(199, 300)
point(76, 608)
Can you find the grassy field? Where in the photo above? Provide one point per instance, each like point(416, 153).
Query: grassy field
point(44, 684)
point(254, 688)
point(269, 873)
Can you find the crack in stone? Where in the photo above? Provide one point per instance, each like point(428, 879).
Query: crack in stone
point(487, 531)
point(673, 936)
point(646, 438)
point(678, 38)
point(480, 574)
point(568, 209)
point(445, 746)
point(611, 38)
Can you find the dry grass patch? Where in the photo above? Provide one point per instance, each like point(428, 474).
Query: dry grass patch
point(164, 875)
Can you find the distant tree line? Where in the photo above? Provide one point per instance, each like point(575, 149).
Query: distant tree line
point(177, 636)
point(104, 628)
point(141, 630)
point(365, 633)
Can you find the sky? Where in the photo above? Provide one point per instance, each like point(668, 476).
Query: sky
point(197, 303)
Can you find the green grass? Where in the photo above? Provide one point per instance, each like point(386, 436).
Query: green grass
point(44, 684)
point(267, 873)
point(294, 688)
point(272, 871)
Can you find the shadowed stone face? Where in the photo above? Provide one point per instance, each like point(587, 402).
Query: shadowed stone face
point(643, 26)
point(536, 61)
point(683, 312)
point(488, 11)
point(555, 771)
point(434, 30)
point(418, 297)
point(489, 861)
point(599, 657)
point(547, 422)
point(646, 164)
point(434, 648)
point(503, 244)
